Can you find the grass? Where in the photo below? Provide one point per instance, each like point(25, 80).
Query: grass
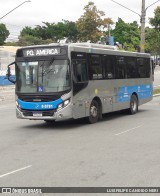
point(156, 91)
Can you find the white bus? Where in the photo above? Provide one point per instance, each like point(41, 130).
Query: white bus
point(79, 80)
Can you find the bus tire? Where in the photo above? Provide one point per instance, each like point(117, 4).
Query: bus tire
point(133, 105)
point(93, 112)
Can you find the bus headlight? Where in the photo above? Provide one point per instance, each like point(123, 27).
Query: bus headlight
point(17, 104)
point(63, 104)
point(66, 102)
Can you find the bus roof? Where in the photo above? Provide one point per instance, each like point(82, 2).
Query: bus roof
point(90, 47)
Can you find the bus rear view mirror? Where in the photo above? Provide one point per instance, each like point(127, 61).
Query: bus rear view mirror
point(9, 75)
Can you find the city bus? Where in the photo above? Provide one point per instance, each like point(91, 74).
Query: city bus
point(79, 80)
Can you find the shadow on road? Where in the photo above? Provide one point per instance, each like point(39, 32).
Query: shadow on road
point(78, 123)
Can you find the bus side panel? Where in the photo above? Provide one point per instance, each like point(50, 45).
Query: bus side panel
point(79, 103)
point(96, 89)
point(103, 90)
point(124, 90)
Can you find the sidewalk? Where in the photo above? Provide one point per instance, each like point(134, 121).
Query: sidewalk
point(12, 49)
point(7, 93)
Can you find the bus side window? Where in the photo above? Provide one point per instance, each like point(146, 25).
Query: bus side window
point(120, 67)
point(108, 64)
point(80, 71)
point(142, 67)
point(131, 68)
point(148, 67)
point(95, 67)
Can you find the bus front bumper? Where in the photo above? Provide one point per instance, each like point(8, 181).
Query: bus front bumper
point(62, 114)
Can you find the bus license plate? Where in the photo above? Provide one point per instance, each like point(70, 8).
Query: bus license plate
point(37, 114)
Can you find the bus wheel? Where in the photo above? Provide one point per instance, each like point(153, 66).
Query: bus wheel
point(133, 105)
point(93, 112)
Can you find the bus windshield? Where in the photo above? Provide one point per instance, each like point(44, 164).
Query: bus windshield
point(42, 76)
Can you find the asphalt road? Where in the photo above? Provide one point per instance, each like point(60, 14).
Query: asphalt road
point(121, 150)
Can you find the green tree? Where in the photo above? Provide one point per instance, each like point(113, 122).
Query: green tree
point(107, 22)
point(28, 40)
point(37, 32)
point(155, 22)
point(49, 32)
point(90, 24)
point(4, 33)
point(150, 40)
point(71, 30)
point(60, 30)
point(153, 35)
point(27, 31)
point(128, 34)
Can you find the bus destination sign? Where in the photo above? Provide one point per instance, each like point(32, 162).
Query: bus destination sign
point(41, 52)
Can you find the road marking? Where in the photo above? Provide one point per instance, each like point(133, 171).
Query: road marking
point(128, 130)
point(12, 172)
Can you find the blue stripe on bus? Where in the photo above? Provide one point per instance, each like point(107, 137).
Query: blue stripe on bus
point(143, 91)
point(39, 105)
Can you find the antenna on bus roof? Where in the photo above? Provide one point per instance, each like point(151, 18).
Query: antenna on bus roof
point(87, 44)
point(65, 40)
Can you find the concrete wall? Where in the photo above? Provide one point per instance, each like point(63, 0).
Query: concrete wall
point(4, 81)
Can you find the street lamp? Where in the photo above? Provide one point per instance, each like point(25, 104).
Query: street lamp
point(14, 8)
point(142, 20)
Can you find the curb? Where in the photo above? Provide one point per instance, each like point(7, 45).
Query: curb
point(156, 95)
point(8, 87)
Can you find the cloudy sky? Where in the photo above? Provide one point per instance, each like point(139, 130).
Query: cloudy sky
point(35, 12)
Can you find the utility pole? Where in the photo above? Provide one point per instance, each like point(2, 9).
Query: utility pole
point(142, 20)
point(143, 16)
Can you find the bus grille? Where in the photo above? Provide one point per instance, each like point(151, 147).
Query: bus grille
point(44, 113)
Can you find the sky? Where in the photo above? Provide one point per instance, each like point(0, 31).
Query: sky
point(37, 11)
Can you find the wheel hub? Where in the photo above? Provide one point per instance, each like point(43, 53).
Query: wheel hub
point(93, 111)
